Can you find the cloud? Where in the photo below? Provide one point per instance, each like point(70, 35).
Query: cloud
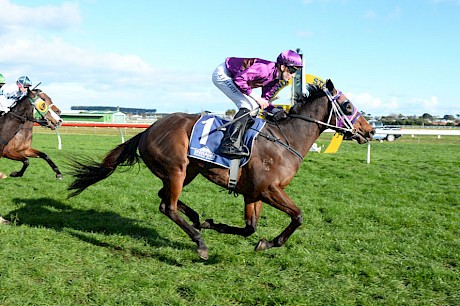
point(16, 17)
point(382, 106)
point(365, 102)
point(61, 61)
point(81, 75)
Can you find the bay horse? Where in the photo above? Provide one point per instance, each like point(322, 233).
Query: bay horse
point(16, 130)
point(277, 154)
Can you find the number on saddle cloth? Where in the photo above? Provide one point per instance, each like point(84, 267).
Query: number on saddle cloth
point(206, 139)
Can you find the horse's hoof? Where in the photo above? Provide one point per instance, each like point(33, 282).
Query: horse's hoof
point(203, 253)
point(59, 176)
point(4, 221)
point(207, 224)
point(197, 226)
point(14, 174)
point(262, 245)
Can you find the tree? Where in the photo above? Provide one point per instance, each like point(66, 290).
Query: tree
point(427, 116)
point(230, 112)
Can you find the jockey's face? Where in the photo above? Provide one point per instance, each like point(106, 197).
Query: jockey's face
point(288, 72)
point(22, 88)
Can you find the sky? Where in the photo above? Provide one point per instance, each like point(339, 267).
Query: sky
point(389, 57)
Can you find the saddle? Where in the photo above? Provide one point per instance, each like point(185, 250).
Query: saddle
point(207, 135)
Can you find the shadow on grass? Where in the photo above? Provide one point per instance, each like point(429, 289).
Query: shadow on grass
point(82, 224)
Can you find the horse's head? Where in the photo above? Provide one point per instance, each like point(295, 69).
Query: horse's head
point(347, 116)
point(333, 110)
point(48, 111)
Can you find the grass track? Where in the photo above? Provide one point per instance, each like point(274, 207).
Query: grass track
point(386, 233)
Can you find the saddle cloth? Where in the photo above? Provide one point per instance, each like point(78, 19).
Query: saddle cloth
point(206, 138)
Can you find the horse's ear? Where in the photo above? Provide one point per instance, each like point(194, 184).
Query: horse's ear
point(329, 85)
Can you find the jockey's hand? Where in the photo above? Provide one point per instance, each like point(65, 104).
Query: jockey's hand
point(262, 102)
point(279, 114)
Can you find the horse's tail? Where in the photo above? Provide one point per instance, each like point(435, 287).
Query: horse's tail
point(87, 171)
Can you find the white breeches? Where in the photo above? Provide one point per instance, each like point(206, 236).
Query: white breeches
point(224, 82)
point(5, 103)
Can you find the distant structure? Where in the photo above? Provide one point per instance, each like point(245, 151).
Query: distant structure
point(126, 110)
point(93, 116)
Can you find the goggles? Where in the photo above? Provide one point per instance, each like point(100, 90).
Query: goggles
point(292, 69)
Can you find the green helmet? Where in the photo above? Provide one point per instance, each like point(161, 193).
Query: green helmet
point(2, 79)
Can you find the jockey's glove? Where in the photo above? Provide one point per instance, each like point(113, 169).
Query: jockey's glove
point(278, 114)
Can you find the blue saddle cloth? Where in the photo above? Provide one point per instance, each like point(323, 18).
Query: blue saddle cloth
point(206, 138)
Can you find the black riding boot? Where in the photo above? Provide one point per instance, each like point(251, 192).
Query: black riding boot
point(232, 134)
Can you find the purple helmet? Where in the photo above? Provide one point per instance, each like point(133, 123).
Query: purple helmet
point(289, 58)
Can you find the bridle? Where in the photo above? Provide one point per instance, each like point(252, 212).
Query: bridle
point(42, 109)
point(344, 122)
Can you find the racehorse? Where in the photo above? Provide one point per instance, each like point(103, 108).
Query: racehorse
point(277, 154)
point(16, 129)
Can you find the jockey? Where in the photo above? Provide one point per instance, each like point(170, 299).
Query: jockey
point(3, 102)
point(236, 78)
point(12, 92)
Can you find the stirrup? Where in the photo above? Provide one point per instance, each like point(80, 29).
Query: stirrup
point(233, 152)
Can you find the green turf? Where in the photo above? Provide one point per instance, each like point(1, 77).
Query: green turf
point(384, 233)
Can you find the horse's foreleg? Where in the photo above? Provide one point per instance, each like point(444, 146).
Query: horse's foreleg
point(277, 198)
point(184, 208)
point(252, 213)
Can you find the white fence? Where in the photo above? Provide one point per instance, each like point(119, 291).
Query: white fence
point(425, 131)
point(438, 132)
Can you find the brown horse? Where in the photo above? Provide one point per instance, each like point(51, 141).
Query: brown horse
point(16, 130)
point(276, 157)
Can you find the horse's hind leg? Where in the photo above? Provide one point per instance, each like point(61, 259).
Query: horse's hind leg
point(252, 213)
point(169, 206)
point(20, 173)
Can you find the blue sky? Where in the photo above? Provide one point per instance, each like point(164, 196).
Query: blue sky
point(389, 57)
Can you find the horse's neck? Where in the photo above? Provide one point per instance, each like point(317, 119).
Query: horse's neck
point(303, 133)
point(13, 121)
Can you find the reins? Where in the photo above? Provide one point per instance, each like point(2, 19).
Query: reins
point(284, 145)
point(23, 119)
point(332, 127)
point(340, 115)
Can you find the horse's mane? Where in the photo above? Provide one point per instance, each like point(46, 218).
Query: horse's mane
point(314, 92)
